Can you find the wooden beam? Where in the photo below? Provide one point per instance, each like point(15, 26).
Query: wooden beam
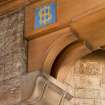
point(7, 6)
point(91, 27)
point(66, 10)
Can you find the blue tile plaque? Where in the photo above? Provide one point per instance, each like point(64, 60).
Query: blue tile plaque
point(45, 15)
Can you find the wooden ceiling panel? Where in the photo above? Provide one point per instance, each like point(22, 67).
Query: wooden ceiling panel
point(66, 11)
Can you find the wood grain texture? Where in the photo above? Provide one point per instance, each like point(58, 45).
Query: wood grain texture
point(90, 27)
point(39, 48)
point(7, 6)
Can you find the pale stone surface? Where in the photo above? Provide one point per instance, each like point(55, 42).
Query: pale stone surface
point(103, 102)
point(88, 93)
point(79, 101)
point(10, 92)
point(1, 69)
point(12, 45)
point(12, 57)
point(88, 80)
point(54, 93)
point(85, 81)
point(11, 33)
point(88, 67)
point(103, 74)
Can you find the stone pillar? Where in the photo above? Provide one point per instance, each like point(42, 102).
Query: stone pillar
point(12, 57)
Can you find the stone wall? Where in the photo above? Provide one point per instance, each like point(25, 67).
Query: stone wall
point(12, 57)
point(87, 78)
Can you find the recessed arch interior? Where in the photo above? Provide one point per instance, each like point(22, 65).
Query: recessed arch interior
point(55, 49)
point(98, 54)
point(77, 50)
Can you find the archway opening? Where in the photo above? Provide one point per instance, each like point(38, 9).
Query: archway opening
point(63, 61)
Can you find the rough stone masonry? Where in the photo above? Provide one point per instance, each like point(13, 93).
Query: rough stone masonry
point(12, 57)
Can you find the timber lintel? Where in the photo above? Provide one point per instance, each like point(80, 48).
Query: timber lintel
point(7, 6)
